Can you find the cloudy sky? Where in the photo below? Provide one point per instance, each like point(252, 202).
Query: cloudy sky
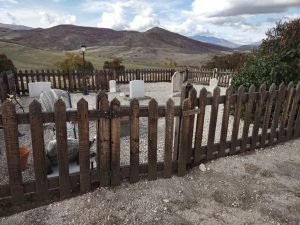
point(241, 21)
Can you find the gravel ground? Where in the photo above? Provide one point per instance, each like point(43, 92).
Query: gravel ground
point(258, 188)
point(160, 91)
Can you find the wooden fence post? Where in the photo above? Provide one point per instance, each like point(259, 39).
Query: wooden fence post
point(293, 111)
point(84, 149)
point(38, 148)
point(134, 141)
point(169, 138)
point(62, 151)
point(152, 139)
point(115, 142)
point(184, 137)
point(193, 99)
point(10, 125)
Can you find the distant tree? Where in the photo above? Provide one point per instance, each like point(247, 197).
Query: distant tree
point(170, 63)
point(115, 64)
point(74, 61)
point(6, 63)
point(230, 61)
point(276, 60)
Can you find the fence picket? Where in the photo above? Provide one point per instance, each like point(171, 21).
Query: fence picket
point(62, 148)
point(257, 120)
point(115, 143)
point(104, 139)
point(284, 116)
point(212, 124)
point(38, 148)
point(278, 107)
point(169, 138)
point(134, 141)
point(193, 99)
point(266, 122)
point(199, 125)
point(84, 151)
point(9, 119)
point(225, 122)
point(248, 118)
point(183, 144)
point(293, 111)
point(152, 139)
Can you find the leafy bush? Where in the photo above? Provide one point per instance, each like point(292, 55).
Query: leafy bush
point(6, 63)
point(277, 59)
point(170, 63)
point(74, 61)
point(115, 64)
point(230, 61)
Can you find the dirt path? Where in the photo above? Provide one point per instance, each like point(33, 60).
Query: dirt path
point(259, 188)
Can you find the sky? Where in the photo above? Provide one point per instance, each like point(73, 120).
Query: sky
point(240, 21)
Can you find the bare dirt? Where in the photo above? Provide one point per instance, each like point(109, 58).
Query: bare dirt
point(258, 188)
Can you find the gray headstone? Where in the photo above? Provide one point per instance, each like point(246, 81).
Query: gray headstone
point(112, 86)
point(177, 81)
point(213, 83)
point(36, 88)
point(137, 89)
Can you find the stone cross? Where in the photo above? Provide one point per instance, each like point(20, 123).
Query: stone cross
point(136, 89)
point(177, 81)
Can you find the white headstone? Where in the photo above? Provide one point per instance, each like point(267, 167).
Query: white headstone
point(177, 81)
point(213, 83)
point(137, 89)
point(36, 88)
point(112, 86)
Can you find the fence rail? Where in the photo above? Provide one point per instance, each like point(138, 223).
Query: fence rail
point(99, 79)
point(273, 116)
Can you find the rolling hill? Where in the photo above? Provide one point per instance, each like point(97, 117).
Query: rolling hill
point(215, 41)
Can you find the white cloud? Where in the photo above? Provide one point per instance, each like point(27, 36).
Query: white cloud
point(144, 20)
point(9, 1)
point(114, 19)
point(51, 19)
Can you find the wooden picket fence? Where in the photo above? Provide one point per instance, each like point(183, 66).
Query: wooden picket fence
point(274, 117)
point(99, 79)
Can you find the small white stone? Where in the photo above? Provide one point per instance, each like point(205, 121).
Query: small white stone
point(202, 167)
point(165, 208)
point(166, 200)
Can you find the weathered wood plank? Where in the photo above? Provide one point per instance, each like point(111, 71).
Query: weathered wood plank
point(284, 116)
point(292, 115)
point(193, 99)
point(115, 143)
point(38, 148)
point(277, 110)
point(134, 141)
point(12, 152)
point(268, 111)
point(169, 138)
point(62, 151)
point(225, 122)
point(104, 139)
point(257, 120)
point(248, 118)
point(152, 139)
point(183, 144)
point(199, 125)
point(213, 123)
point(84, 151)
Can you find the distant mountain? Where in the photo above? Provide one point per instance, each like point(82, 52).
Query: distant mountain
point(215, 41)
point(14, 27)
point(70, 37)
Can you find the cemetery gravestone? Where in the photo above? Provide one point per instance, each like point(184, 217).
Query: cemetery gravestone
point(36, 88)
point(177, 81)
point(213, 83)
point(137, 89)
point(112, 86)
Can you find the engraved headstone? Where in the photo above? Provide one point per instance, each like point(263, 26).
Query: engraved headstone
point(36, 88)
point(112, 86)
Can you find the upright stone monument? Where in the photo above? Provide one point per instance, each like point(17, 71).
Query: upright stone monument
point(112, 86)
point(213, 83)
point(37, 88)
point(177, 81)
point(137, 89)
